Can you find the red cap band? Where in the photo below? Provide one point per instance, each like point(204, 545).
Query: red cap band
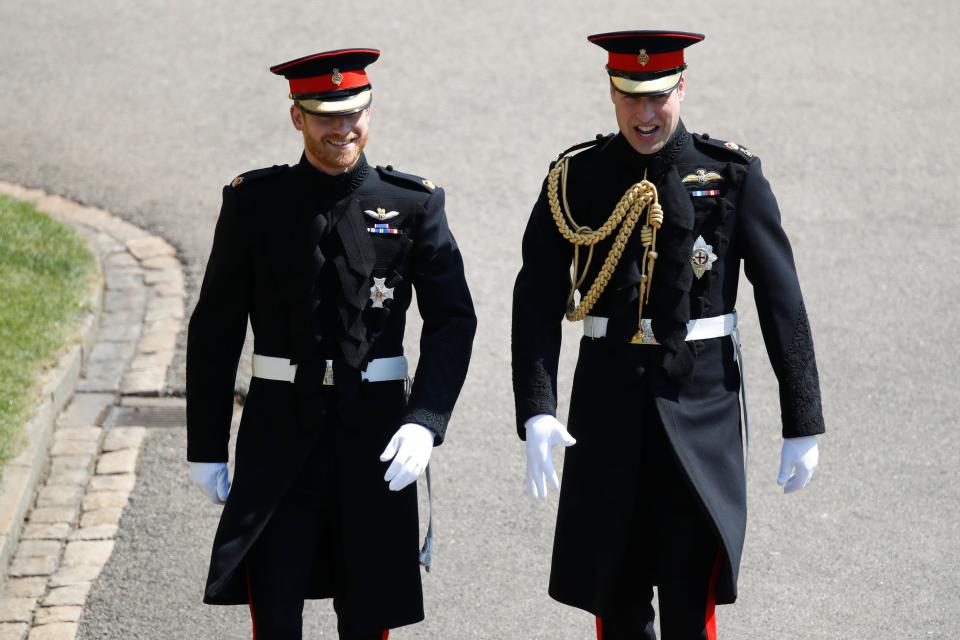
point(325, 84)
point(645, 62)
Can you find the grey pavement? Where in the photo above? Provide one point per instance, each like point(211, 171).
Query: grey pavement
point(146, 109)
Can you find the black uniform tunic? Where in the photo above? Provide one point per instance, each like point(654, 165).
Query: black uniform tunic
point(293, 252)
point(693, 385)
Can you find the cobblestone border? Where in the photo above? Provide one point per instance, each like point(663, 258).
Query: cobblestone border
point(82, 483)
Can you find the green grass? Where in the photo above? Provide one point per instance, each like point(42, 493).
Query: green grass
point(44, 273)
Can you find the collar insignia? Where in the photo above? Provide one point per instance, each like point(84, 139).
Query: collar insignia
point(428, 184)
point(381, 213)
point(236, 181)
point(380, 292)
point(337, 77)
point(702, 176)
point(702, 258)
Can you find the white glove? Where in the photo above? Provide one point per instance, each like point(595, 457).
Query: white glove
point(798, 460)
point(410, 448)
point(213, 478)
point(544, 432)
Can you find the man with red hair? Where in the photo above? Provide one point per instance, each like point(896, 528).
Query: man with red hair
point(323, 257)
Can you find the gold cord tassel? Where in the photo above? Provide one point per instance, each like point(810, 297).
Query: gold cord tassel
point(648, 238)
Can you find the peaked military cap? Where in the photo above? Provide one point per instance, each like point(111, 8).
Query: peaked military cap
point(331, 82)
point(645, 63)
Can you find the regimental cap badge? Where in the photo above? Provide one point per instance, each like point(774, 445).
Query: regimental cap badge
point(337, 77)
point(643, 58)
point(702, 258)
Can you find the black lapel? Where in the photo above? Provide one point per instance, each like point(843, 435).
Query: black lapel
point(354, 261)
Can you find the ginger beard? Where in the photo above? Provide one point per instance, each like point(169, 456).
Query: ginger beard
point(333, 143)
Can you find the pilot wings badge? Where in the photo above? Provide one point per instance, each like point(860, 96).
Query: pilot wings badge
point(702, 176)
point(381, 213)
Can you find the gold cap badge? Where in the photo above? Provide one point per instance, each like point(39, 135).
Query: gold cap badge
point(337, 77)
point(643, 58)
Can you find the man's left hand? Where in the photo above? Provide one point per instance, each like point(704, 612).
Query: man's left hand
point(798, 461)
point(410, 449)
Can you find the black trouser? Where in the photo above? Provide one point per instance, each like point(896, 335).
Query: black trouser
point(678, 551)
point(301, 539)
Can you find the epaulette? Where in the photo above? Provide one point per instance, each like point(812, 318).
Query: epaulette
point(583, 145)
point(256, 174)
point(738, 150)
point(406, 178)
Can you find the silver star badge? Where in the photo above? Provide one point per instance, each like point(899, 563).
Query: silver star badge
point(702, 258)
point(380, 292)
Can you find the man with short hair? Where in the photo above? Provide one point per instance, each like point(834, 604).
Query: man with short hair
point(656, 223)
point(323, 258)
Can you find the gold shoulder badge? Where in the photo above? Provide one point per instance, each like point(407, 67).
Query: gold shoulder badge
point(702, 176)
point(643, 58)
point(337, 77)
point(428, 184)
point(733, 146)
point(236, 181)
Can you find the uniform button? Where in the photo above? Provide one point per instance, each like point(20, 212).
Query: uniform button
point(389, 167)
point(705, 136)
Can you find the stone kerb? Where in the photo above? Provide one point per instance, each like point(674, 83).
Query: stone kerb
point(63, 496)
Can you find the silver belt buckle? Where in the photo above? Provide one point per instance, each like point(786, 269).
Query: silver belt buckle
point(646, 333)
point(328, 374)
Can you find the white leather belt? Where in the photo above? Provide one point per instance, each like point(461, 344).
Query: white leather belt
point(699, 329)
point(282, 370)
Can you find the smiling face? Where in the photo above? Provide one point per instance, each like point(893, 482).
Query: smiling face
point(332, 143)
point(647, 122)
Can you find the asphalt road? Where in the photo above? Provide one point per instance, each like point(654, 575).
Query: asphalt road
point(147, 108)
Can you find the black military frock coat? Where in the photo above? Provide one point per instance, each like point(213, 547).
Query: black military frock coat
point(695, 385)
point(293, 252)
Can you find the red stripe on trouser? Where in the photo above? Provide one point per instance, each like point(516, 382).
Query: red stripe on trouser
point(599, 628)
point(710, 621)
point(253, 620)
point(386, 634)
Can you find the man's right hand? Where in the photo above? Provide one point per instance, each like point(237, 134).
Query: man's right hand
point(213, 478)
point(544, 432)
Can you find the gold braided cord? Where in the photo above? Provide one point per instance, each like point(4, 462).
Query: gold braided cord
point(577, 279)
point(640, 196)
